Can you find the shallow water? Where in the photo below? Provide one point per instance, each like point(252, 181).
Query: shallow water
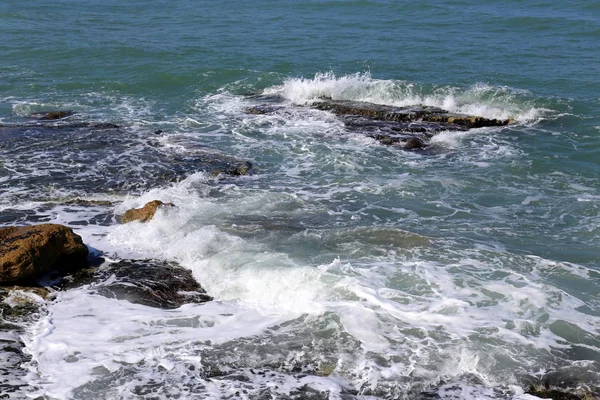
point(341, 268)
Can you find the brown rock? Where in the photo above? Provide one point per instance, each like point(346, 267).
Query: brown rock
point(145, 213)
point(52, 115)
point(26, 252)
point(414, 143)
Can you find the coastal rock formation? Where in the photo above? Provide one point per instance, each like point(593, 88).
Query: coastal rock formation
point(149, 282)
point(145, 213)
point(410, 128)
point(26, 252)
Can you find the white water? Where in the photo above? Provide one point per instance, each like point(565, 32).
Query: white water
point(338, 258)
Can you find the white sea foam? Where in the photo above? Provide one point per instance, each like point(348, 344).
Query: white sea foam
point(401, 313)
point(381, 310)
point(479, 99)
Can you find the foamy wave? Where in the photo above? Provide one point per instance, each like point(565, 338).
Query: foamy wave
point(479, 99)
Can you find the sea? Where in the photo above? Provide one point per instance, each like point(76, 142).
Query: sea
point(340, 267)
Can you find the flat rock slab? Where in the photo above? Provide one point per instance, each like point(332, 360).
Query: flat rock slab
point(27, 252)
point(405, 114)
point(152, 283)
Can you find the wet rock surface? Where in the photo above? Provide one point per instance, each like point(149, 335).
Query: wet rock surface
point(27, 252)
point(53, 115)
point(91, 159)
point(241, 169)
point(578, 382)
point(152, 283)
point(410, 128)
point(405, 114)
point(145, 213)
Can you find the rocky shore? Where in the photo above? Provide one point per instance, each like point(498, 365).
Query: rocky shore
point(39, 261)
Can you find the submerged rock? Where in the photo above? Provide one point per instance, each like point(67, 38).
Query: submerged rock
point(27, 252)
point(234, 170)
point(145, 213)
point(262, 109)
point(16, 129)
point(152, 283)
point(100, 159)
point(52, 115)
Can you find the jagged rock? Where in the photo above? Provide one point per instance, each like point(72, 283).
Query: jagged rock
point(26, 252)
point(145, 213)
point(52, 115)
point(234, 170)
point(149, 282)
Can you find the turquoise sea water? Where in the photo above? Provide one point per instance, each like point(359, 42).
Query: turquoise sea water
point(341, 265)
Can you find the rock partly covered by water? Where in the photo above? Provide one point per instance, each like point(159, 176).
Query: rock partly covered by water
point(240, 169)
point(149, 282)
point(405, 114)
point(409, 127)
point(27, 252)
point(145, 213)
point(52, 115)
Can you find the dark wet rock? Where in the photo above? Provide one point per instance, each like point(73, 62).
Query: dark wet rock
point(269, 104)
point(145, 213)
point(234, 170)
point(578, 382)
point(27, 252)
point(267, 98)
point(102, 125)
point(52, 115)
point(149, 282)
point(87, 203)
point(405, 114)
point(262, 109)
point(16, 129)
point(390, 125)
point(98, 160)
point(412, 127)
point(414, 143)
